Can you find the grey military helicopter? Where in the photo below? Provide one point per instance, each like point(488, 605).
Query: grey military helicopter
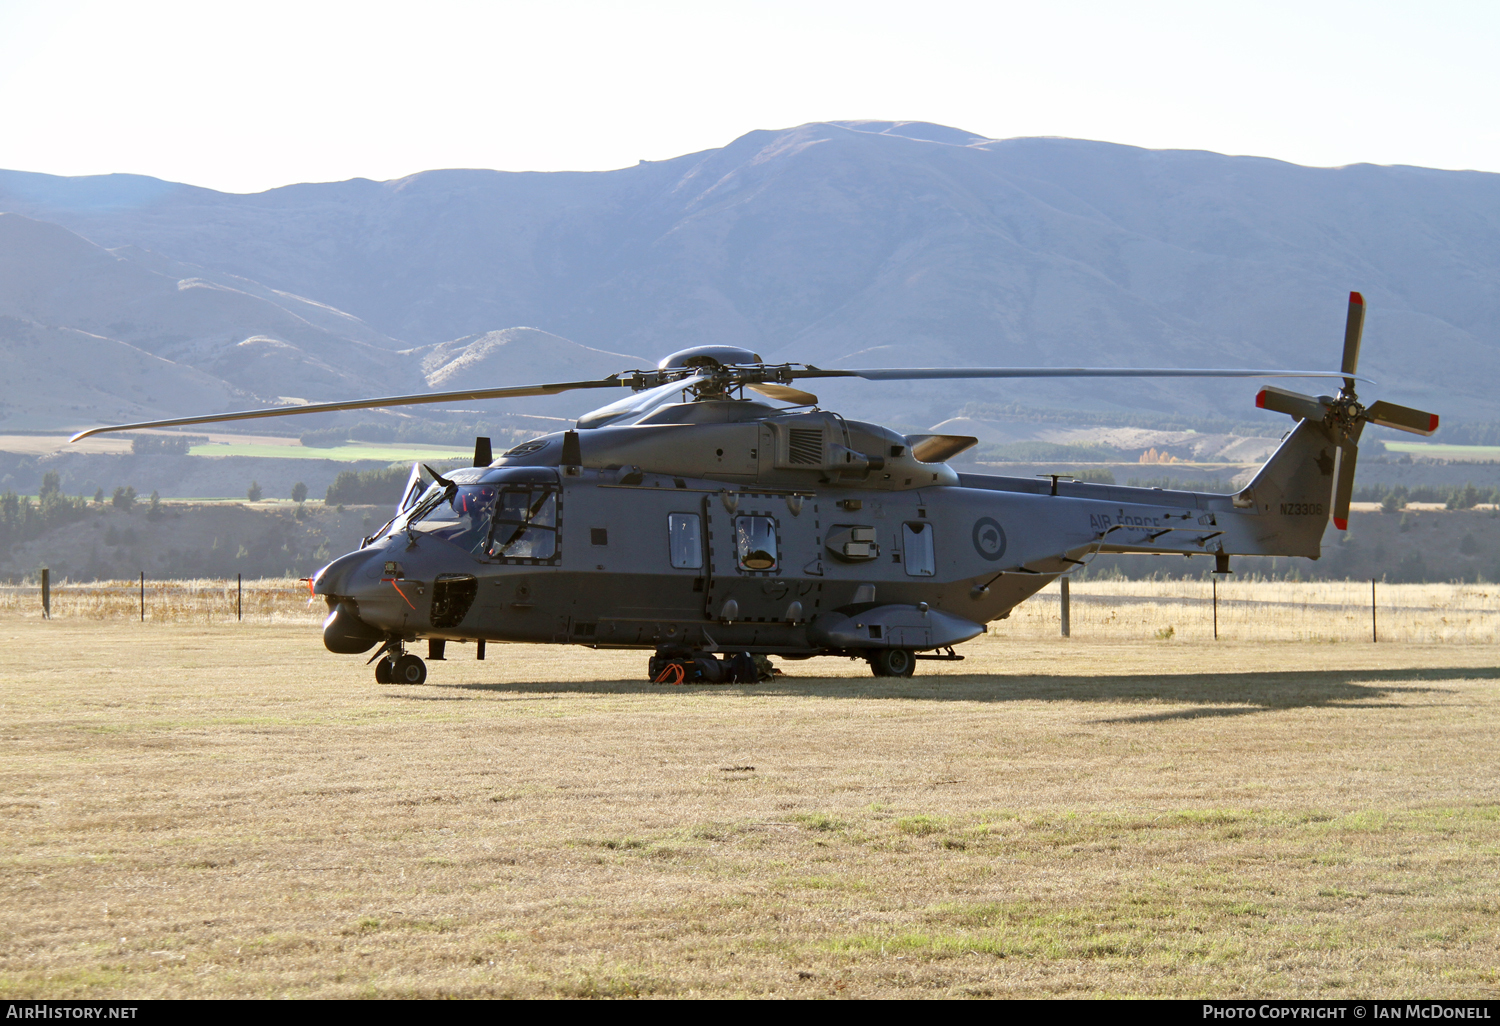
point(710, 527)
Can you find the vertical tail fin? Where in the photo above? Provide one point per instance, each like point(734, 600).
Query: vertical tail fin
point(1293, 492)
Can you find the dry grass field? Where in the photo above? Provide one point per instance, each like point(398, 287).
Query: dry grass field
point(199, 807)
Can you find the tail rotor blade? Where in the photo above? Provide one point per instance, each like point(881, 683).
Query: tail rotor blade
point(1402, 418)
point(1348, 455)
point(1354, 327)
point(1293, 404)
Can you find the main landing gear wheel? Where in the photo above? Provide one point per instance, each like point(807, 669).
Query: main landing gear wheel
point(893, 662)
point(383, 671)
point(409, 669)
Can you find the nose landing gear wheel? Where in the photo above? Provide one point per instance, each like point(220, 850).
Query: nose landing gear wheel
point(893, 662)
point(410, 669)
point(383, 672)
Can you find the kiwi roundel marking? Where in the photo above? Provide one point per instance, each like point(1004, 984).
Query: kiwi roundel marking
point(989, 538)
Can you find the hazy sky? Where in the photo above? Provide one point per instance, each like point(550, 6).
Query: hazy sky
point(244, 96)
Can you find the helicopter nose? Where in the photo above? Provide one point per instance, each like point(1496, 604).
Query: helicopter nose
point(338, 577)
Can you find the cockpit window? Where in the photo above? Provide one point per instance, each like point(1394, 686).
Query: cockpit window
point(525, 523)
point(491, 521)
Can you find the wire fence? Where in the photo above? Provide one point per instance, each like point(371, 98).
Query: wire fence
point(1180, 610)
point(203, 601)
point(1261, 610)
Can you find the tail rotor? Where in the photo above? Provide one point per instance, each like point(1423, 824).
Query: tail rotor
point(1343, 415)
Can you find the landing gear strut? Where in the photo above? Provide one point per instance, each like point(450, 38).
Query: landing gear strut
point(395, 665)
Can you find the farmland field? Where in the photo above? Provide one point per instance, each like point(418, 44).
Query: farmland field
point(1440, 450)
point(196, 806)
point(349, 452)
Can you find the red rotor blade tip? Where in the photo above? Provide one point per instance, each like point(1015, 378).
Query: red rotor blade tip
point(1355, 297)
point(1342, 525)
point(1260, 399)
point(1433, 425)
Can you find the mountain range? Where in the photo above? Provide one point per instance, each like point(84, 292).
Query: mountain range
point(837, 243)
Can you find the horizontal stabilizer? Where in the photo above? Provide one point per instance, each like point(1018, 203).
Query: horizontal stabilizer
point(1293, 404)
point(1402, 418)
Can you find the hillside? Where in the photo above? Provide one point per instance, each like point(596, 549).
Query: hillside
point(194, 540)
point(872, 242)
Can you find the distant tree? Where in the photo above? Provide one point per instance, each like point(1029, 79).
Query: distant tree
point(371, 487)
point(99, 497)
point(254, 493)
point(324, 438)
point(124, 497)
point(154, 513)
point(1466, 498)
point(299, 492)
point(51, 484)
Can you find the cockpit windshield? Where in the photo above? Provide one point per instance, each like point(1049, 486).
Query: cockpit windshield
point(459, 514)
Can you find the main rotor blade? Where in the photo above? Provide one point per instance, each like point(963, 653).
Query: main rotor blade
point(939, 373)
point(1344, 489)
point(516, 392)
point(784, 393)
point(1353, 328)
point(639, 404)
point(1402, 418)
point(1293, 404)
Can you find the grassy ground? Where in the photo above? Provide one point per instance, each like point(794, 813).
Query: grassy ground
point(228, 810)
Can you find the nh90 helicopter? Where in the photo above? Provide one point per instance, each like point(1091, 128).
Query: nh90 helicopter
point(711, 528)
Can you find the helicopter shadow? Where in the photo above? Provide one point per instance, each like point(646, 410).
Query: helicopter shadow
point(1207, 695)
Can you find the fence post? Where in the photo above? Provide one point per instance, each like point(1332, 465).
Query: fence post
point(46, 594)
point(1216, 608)
point(1067, 625)
point(1374, 636)
point(239, 597)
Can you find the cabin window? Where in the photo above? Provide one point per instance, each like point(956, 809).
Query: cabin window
point(755, 542)
point(685, 540)
point(525, 524)
point(917, 543)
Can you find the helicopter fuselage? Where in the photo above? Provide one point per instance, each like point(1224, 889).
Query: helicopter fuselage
point(734, 526)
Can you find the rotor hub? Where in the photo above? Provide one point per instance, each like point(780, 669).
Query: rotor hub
point(708, 358)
